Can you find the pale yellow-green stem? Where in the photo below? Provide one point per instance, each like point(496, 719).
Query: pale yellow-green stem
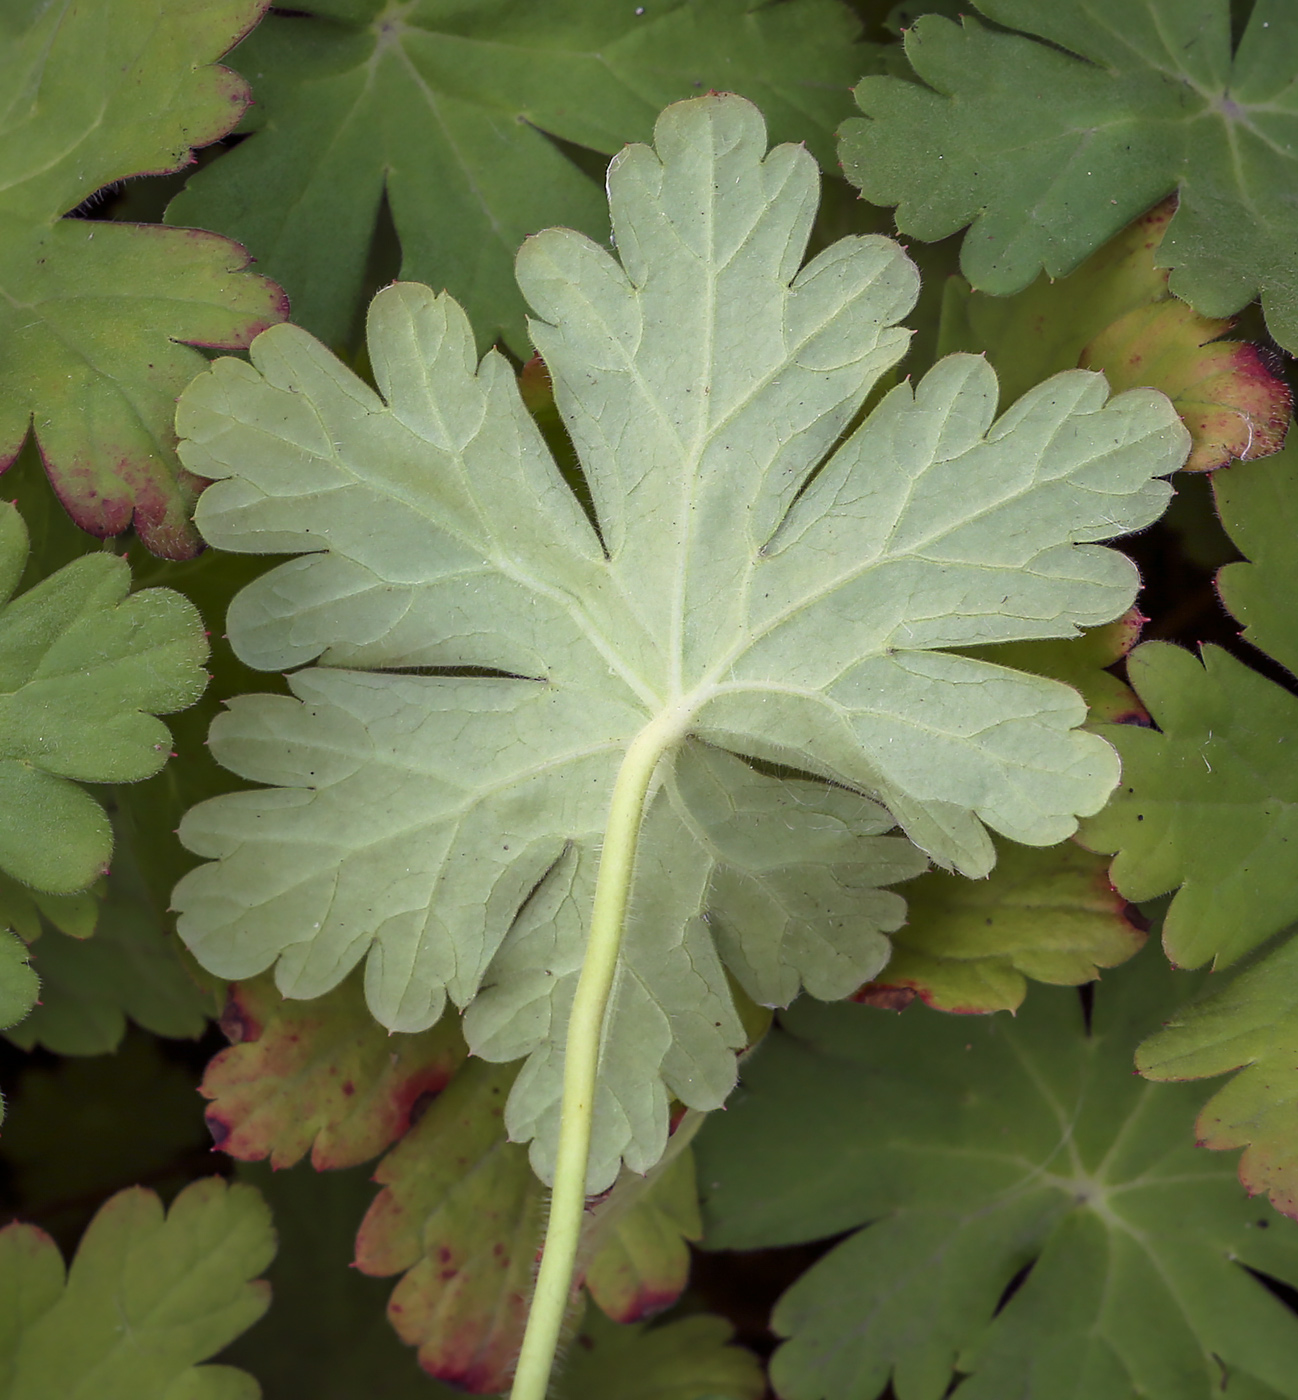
point(581, 1054)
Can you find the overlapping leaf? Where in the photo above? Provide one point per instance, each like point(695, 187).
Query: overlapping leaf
point(319, 1076)
point(84, 670)
point(131, 968)
point(971, 946)
point(976, 1150)
point(1207, 809)
point(1048, 141)
point(1207, 804)
point(448, 823)
point(461, 1215)
point(97, 320)
point(450, 113)
point(1116, 315)
point(687, 1359)
point(146, 1299)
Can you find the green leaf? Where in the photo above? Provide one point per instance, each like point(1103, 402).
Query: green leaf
point(451, 113)
point(1049, 141)
point(970, 946)
point(1116, 315)
point(132, 968)
point(1250, 1025)
point(84, 670)
point(450, 824)
point(460, 1214)
point(1259, 509)
point(145, 1301)
point(319, 1076)
point(19, 984)
point(22, 907)
point(974, 1150)
point(688, 1359)
point(1207, 805)
point(97, 319)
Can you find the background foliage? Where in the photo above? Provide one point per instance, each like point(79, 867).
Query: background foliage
point(1082, 186)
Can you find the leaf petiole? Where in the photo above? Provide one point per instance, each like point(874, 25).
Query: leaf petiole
point(582, 1048)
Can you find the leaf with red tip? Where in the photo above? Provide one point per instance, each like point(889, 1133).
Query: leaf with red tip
point(971, 945)
point(641, 1260)
point(1250, 1025)
point(1115, 314)
point(97, 319)
point(461, 1214)
point(1235, 404)
point(319, 1076)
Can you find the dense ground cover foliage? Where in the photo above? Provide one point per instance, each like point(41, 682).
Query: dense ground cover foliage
point(505, 654)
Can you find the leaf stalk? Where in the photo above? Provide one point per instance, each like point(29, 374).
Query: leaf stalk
point(582, 1048)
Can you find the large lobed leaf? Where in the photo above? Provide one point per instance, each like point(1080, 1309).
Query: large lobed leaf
point(1048, 141)
point(97, 320)
point(1035, 1217)
point(450, 113)
point(146, 1299)
point(739, 599)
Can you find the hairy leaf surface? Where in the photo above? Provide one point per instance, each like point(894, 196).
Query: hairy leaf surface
point(19, 984)
point(739, 598)
point(84, 671)
point(146, 1299)
point(450, 113)
point(318, 1076)
point(1048, 141)
point(98, 320)
point(973, 1150)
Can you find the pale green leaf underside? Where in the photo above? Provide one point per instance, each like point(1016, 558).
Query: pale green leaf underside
point(703, 379)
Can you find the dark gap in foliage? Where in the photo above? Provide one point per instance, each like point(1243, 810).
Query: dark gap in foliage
point(1086, 995)
point(537, 390)
point(453, 672)
point(593, 164)
point(744, 1286)
point(1179, 592)
point(1017, 1282)
point(1287, 1294)
point(1241, 11)
point(382, 266)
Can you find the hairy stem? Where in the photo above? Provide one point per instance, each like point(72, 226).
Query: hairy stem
point(581, 1055)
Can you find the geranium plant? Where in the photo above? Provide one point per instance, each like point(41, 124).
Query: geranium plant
point(656, 636)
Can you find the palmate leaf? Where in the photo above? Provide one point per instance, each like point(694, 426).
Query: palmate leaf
point(449, 824)
point(97, 320)
point(972, 1149)
point(1047, 149)
point(450, 112)
point(84, 671)
point(145, 1300)
point(1207, 809)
